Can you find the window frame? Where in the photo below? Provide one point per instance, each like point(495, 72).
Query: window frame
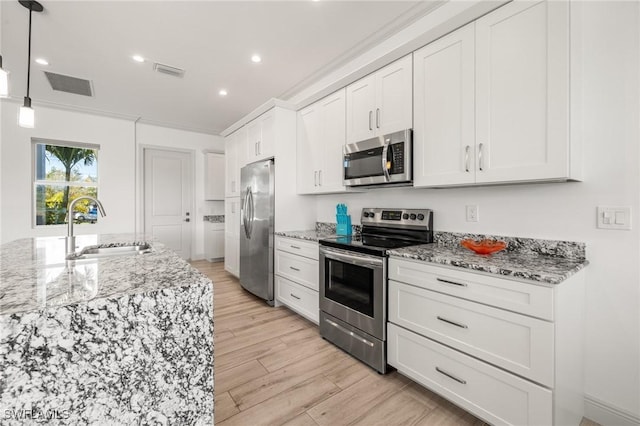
point(35, 182)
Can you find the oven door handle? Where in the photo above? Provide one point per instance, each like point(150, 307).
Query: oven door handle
point(351, 258)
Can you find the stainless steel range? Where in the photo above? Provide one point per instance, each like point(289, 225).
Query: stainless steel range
point(353, 280)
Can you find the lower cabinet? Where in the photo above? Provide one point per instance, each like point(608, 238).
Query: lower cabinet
point(296, 276)
point(213, 240)
point(232, 235)
point(485, 350)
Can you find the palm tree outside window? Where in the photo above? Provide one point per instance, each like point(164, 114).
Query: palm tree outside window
point(63, 172)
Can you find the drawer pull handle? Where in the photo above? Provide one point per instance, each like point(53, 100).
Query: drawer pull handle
point(294, 296)
point(457, 324)
point(451, 282)
point(350, 333)
point(295, 247)
point(295, 269)
point(451, 376)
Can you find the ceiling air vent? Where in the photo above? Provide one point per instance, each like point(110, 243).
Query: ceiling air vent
point(65, 83)
point(166, 69)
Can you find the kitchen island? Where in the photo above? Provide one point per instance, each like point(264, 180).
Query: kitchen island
point(118, 339)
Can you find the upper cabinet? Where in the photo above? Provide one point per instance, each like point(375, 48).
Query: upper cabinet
point(381, 102)
point(260, 143)
point(214, 186)
point(492, 100)
point(320, 139)
point(234, 160)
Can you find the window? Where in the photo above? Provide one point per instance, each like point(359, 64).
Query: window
point(64, 171)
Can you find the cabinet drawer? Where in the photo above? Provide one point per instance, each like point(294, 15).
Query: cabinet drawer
point(488, 392)
point(529, 299)
point(299, 298)
point(300, 247)
point(518, 343)
point(297, 268)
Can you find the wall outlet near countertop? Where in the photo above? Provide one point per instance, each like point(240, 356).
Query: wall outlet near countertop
point(472, 213)
point(614, 217)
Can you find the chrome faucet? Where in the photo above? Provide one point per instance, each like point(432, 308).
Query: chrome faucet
point(71, 239)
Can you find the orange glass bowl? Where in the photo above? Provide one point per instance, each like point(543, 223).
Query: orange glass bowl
point(484, 246)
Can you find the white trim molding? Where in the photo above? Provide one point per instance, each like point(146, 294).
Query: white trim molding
point(606, 414)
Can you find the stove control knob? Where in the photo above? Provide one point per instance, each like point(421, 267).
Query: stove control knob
point(412, 216)
point(365, 214)
point(405, 216)
point(420, 216)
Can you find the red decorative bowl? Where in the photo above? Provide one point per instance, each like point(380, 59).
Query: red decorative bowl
point(484, 246)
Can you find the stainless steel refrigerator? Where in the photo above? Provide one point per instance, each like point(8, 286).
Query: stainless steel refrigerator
point(256, 228)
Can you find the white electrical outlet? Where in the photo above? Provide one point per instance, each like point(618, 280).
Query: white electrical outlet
point(472, 213)
point(614, 217)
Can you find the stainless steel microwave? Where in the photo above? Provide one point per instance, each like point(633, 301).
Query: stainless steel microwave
point(384, 160)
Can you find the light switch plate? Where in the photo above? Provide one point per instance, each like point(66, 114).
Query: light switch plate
point(472, 213)
point(610, 217)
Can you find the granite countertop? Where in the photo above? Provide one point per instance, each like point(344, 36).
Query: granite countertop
point(216, 218)
point(34, 274)
point(543, 261)
point(310, 235)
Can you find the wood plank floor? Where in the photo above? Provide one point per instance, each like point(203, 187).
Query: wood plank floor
point(273, 368)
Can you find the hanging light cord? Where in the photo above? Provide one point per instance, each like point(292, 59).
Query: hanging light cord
point(29, 54)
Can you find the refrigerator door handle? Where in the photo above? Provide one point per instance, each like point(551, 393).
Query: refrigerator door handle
point(251, 215)
point(245, 217)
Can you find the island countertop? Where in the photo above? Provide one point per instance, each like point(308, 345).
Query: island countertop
point(35, 275)
point(114, 340)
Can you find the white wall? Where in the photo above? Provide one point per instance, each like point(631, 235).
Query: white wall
point(149, 135)
point(611, 71)
point(116, 169)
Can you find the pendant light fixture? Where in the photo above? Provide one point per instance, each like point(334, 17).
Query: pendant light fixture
point(26, 117)
point(4, 81)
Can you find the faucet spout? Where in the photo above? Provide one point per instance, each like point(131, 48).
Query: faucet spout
point(71, 239)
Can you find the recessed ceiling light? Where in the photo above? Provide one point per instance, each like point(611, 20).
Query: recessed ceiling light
point(42, 61)
point(256, 59)
point(222, 92)
point(137, 58)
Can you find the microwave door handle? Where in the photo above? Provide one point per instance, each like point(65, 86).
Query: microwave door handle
point(385, 151)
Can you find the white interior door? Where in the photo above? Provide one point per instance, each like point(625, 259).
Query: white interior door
point(167, 199)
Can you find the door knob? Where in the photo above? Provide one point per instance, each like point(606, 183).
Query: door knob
point(187, 220)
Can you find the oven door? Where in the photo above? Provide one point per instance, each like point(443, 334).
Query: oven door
point(352, 289)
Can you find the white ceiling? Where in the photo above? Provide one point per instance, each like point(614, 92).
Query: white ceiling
point(212, 40)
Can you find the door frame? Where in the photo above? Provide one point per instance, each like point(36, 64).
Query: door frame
point(139, 188)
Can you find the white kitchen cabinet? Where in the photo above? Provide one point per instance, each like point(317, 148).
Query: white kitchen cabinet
point(233, 144)
point(214, 185)
point(444, 121)
point(297, 275)
point(460, 333)
point(381, 102)
point(214, 240)
point(232, 235)
point(260, 143)
point(492, 100)
point(320, 141)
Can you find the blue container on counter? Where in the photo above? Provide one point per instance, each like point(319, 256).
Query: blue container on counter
point(343, 226)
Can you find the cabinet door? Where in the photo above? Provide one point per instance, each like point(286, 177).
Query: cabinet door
point(215, 177)
point(231, 166)
point(444, 108)
point(232, 235)
point(253, 140)
point(522, 90)
point(394, 108)
point(266, 143)
point(308, 143)
point(330, 149)
point(361, 99)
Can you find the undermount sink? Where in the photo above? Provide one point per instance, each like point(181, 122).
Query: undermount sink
point(92, 252)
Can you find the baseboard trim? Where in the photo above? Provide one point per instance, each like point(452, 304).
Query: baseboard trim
point(606, 414)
